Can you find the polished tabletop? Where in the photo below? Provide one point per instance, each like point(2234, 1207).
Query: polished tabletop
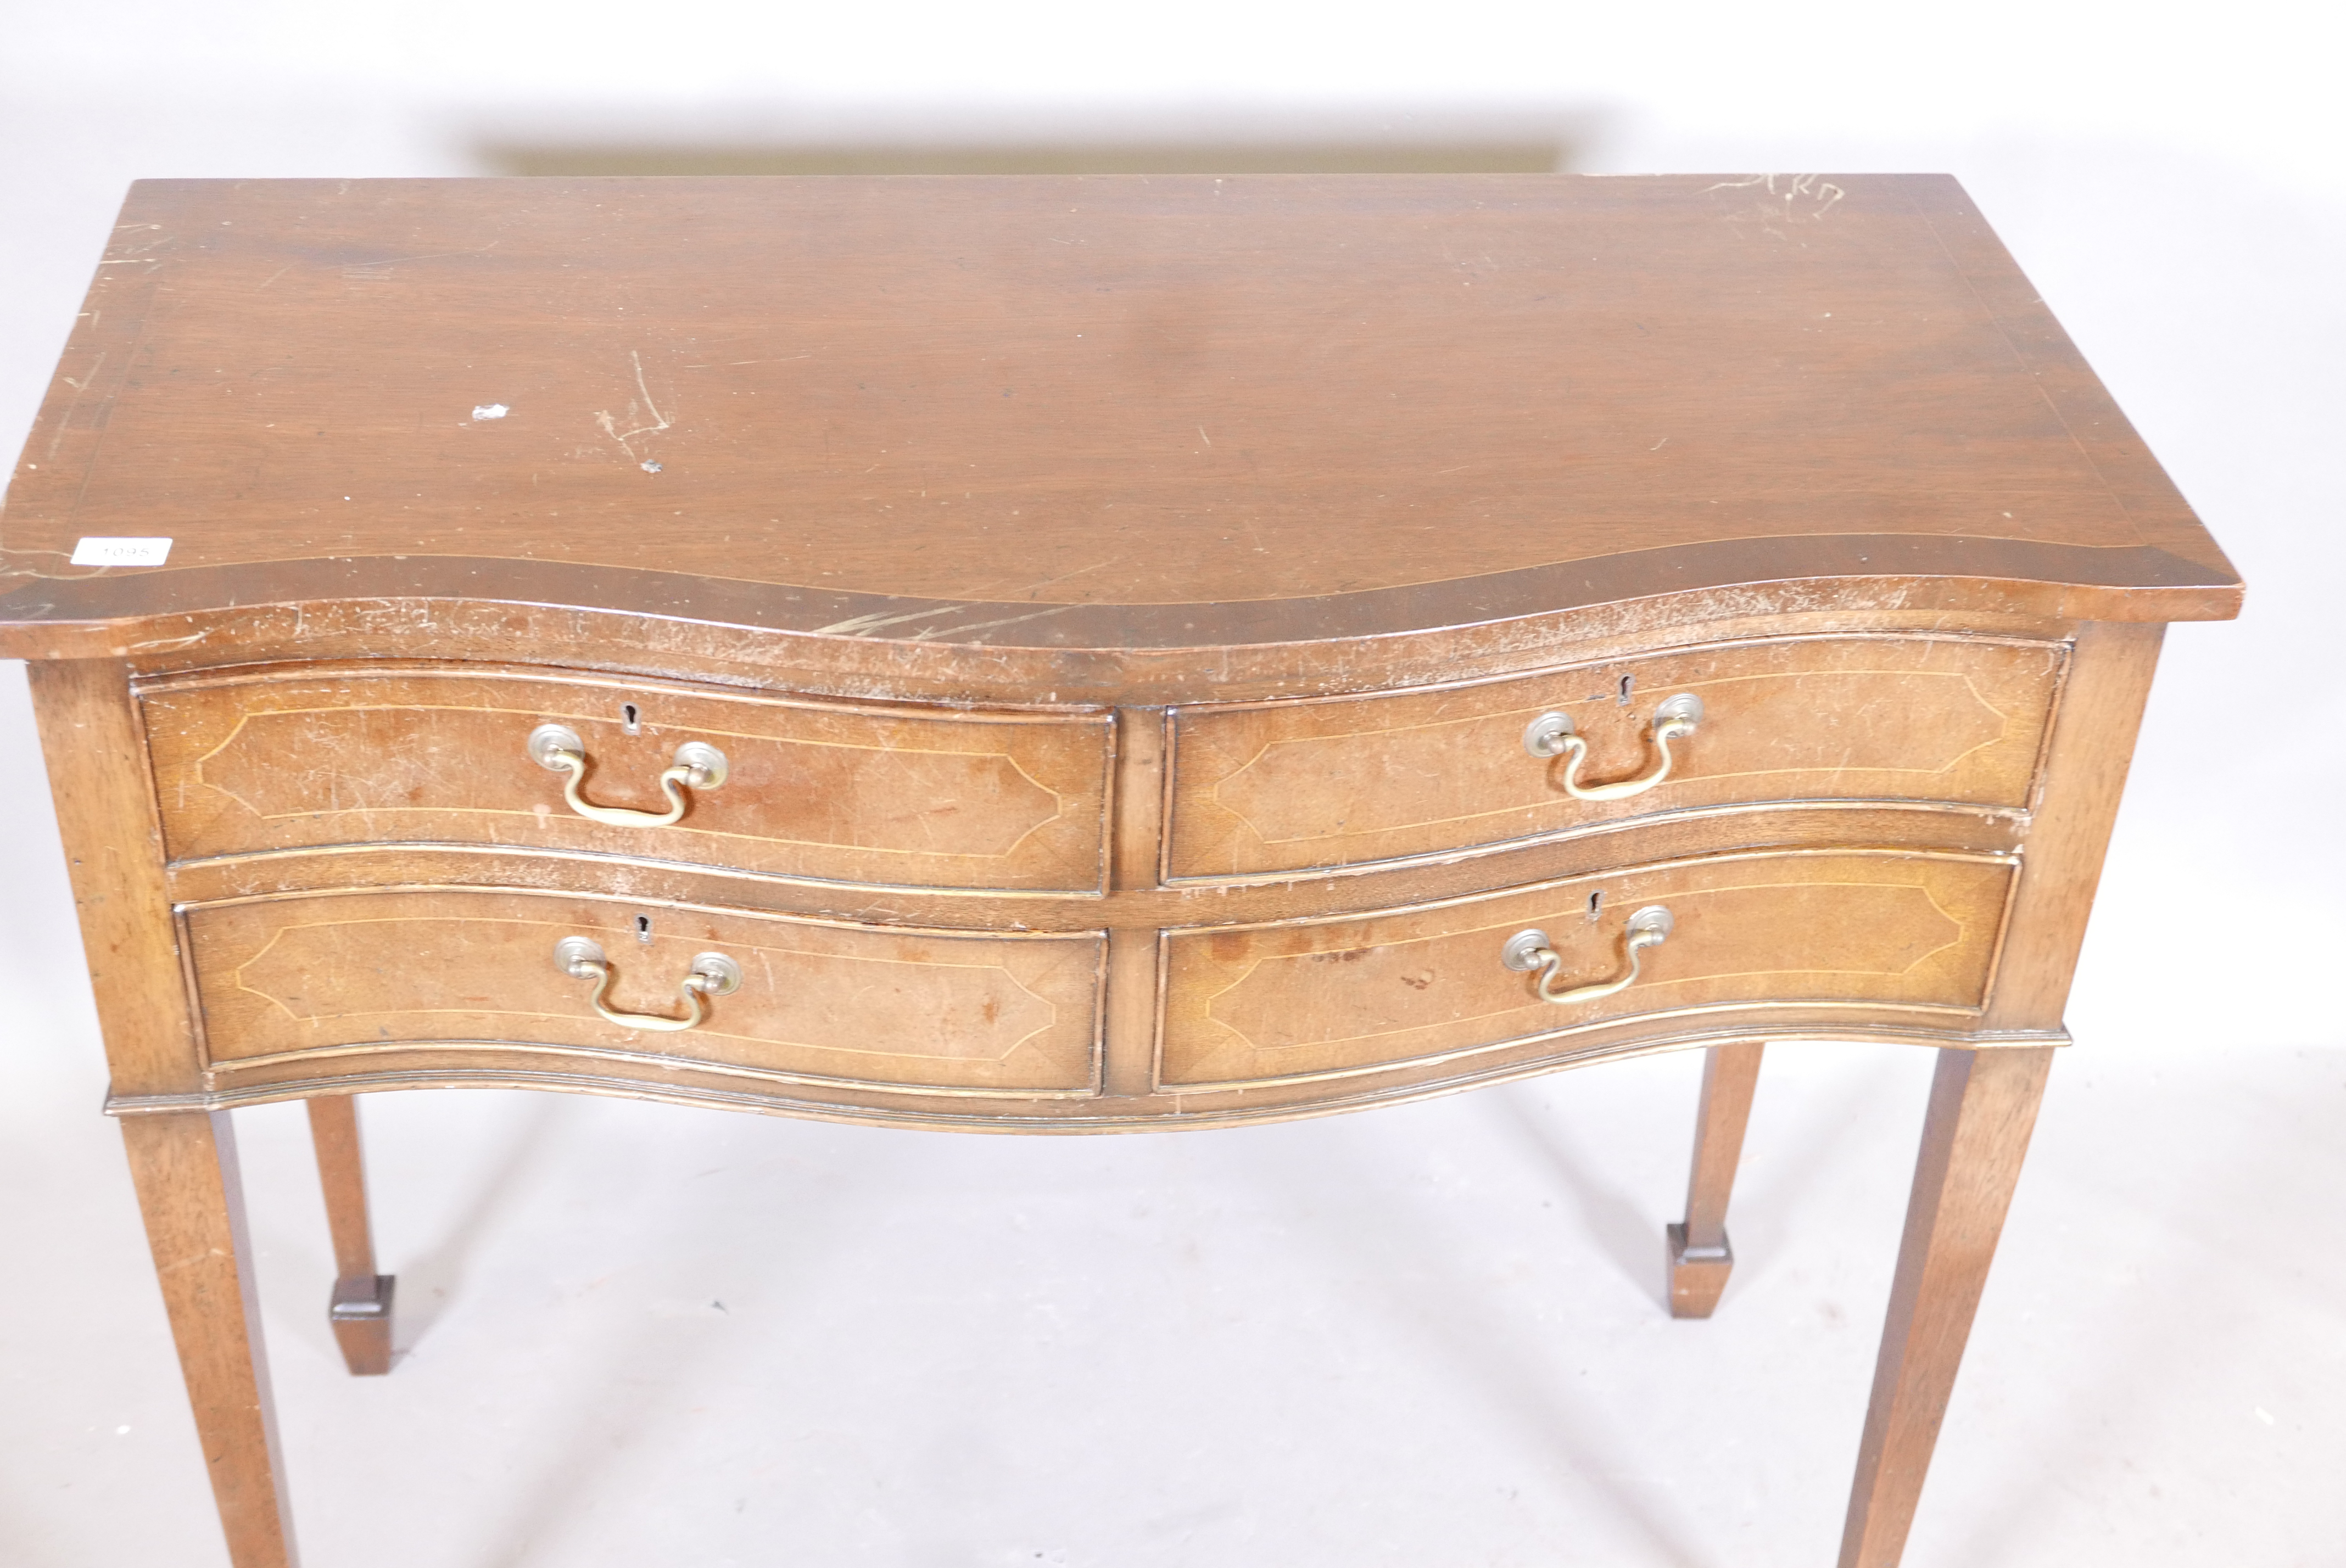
point(1129, 412)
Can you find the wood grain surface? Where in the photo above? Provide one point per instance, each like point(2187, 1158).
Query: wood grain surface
point(1700, 1257)
point(1983, 1109)
point(1730, 1074)
point(361, 1308)
point(342, 1175)
point(1119, 602)
point(2091, 750)
point(1111, 413)
point(191, 1195)
point(984, 1014)
point(91, 741)
point(376, 754)
point(1325, 999)
point(1280, 787)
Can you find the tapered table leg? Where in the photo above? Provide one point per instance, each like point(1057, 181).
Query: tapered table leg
point(359, 1308)
point(184, 1166)
point(1701, 1258)
point(1983, 1107)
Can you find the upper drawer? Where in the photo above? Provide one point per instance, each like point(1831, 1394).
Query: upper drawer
point(1275, 786)
point(822, 791)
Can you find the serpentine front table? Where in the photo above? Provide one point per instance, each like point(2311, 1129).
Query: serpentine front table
point(1058, 656)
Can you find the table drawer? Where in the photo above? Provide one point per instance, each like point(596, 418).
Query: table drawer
point(1330, 998)
point(827, 791)
point(821, 1002)
point(1293, 786)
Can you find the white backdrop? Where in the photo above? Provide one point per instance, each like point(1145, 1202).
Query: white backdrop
point(2169, 175)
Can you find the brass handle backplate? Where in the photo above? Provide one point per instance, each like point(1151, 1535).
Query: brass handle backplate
point(698, 765)
point(1551, 735)
point(712, 975)
point(1530, 950)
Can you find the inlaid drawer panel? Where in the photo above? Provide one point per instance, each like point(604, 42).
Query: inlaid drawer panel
point(818, 1001)
point(1329, 998)
point(1291, 785)
point(820, 790)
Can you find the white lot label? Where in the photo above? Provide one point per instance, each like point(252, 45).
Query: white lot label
point(120, 552)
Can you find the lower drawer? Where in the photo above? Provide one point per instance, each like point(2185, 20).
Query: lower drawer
point(1330, 998)
point(881, 1007)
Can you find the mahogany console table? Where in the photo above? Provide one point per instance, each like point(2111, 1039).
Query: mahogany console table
point(1075, 656)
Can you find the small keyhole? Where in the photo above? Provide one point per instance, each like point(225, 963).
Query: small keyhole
point(644, 928)
point(1627, 682)
point(1596, 902)
point(631, 720)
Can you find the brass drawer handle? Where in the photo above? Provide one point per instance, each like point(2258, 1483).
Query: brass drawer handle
point(1551, 735)
point(698, 765)
point(1528, 950)
point(713, 974)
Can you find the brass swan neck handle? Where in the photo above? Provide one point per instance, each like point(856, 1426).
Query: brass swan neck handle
point(1552, 735)
point(712, 975)
point(698, 765)
point(1530, 950)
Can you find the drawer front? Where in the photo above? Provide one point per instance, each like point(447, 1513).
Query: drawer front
point(825, 791)
point(1328, 783)
point(818, 1002)
point(1333, 997)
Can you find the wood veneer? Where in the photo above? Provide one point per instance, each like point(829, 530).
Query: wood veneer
point(369, 754)
point(333, 981)
point(1899, 931)
point(1120, 602)
point(1243, 380)
point(1281, 787)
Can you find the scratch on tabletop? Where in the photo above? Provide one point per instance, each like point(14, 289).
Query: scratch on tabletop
point(65, 419)
point(165, 644)
point(928, 633)
point(861, 626)
point(1824, 191)
point(610, 426)
point(432, 256)
point(1050, 582)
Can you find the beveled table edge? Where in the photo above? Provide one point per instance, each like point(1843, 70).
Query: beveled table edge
point(449, 608)
point(2139, 582)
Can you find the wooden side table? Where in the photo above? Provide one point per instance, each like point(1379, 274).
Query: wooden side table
point(1075, 656)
